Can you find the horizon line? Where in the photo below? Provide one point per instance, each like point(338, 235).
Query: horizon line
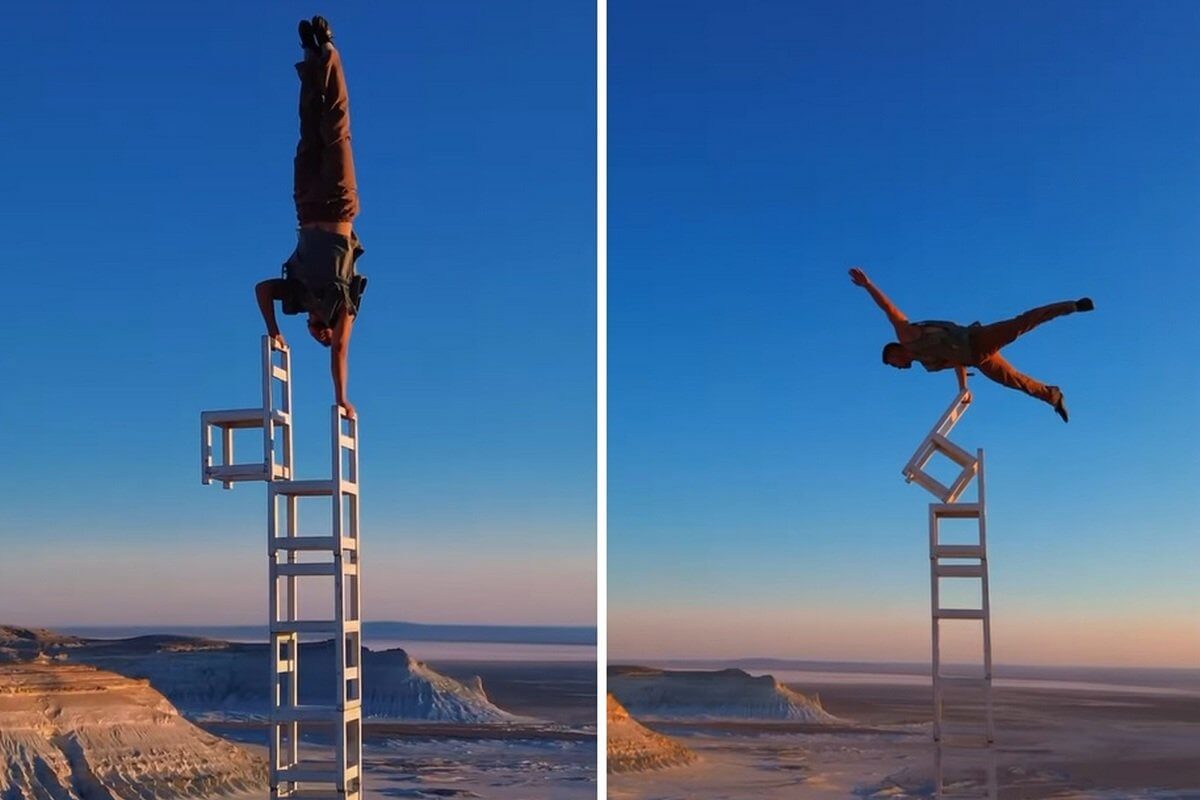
point(925, 666)
point(259, 624)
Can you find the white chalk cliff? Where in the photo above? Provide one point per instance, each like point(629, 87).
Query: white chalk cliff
point(212, 679)
point(72, 732)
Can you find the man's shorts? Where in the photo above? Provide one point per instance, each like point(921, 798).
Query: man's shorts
point(320, 276)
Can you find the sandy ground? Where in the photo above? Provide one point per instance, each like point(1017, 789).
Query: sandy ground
point(556, 761)
point(520, 764)
point(460, 762)
point(1050, 744)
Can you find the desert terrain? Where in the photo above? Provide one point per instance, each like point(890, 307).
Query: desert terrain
point(1059, 734)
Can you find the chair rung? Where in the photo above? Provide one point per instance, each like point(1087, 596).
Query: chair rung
point(958, 551)
point(233, 418)
point(954, 510)
point(302, 543)
point(302, 488)
point(959, 570)
point(330, 714)
point(320, 626)
point(316, 772)
point(307, 775)
point(311, 543)
point(959, 613)
point(318, 488)
point(305, 570)
point(232, 473)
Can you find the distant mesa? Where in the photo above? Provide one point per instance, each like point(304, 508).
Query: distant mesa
point(398, 686)
point(73, 732)
point(24, 644)
point(632, 747)
point(728, 694)
point(211, 679)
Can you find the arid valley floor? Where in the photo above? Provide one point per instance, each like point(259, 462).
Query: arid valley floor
point(1103, 739)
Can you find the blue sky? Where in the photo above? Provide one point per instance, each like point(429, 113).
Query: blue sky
point(977, 159)
point(149, 186)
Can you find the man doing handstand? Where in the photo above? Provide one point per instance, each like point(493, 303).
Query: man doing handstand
point(319, 277)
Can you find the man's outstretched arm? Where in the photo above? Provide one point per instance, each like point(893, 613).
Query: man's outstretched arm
point(339, 348)
point(894, 315)
point(267, 292)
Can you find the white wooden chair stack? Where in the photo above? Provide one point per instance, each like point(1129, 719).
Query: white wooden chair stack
point(962, 700)
point(292, 557)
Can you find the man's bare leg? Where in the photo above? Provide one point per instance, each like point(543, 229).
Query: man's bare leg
point(997, 368)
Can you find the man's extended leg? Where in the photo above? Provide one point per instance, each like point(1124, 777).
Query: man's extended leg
point(337, 159)
point(325, 186)
point(998, 369)
point(990, 338)
point(306, 173)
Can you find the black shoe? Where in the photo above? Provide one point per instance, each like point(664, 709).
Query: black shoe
point(1060, 407)
point(321, 31)
point(307, 40)
point(1084, 304)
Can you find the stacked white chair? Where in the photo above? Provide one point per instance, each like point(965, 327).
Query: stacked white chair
point(292, 557)
point(962, 701)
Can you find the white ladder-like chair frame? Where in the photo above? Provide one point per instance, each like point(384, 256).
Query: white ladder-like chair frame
point(961, 561)
point(291, 774)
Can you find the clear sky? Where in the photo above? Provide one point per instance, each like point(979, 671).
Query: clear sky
point(977, 159)
point(148, 153)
